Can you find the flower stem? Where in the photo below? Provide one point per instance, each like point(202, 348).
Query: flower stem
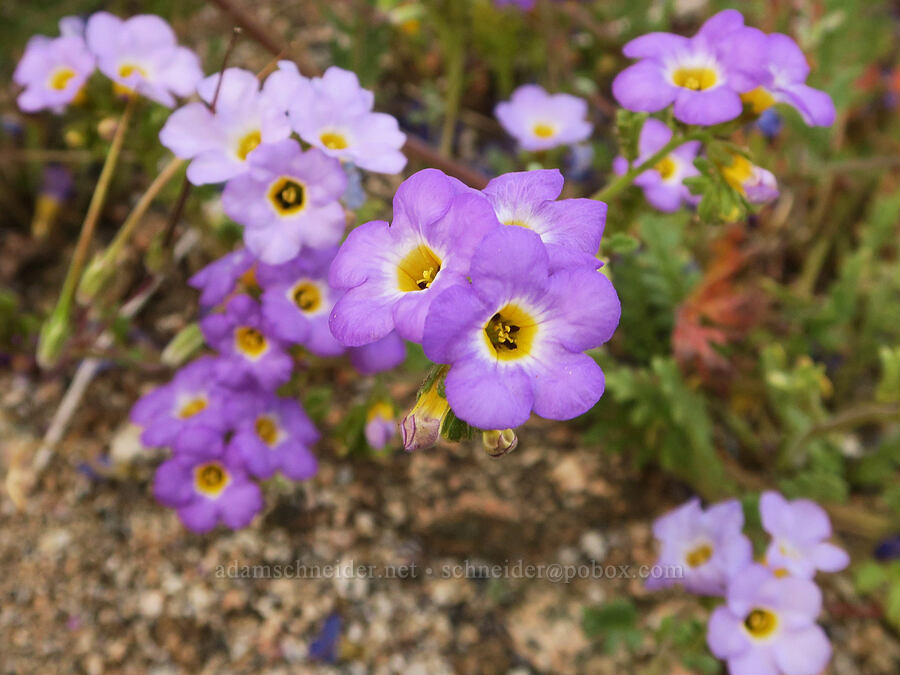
point(626, 179)
point(451, 30)
point(55, 328)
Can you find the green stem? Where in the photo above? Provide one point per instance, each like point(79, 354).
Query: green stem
point(104, 264)
point(626, 179)
point(56, 325)
point(452, 30)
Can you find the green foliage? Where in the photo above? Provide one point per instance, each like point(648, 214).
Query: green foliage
point(615, 623)
point(882, 582)
point(687, 638)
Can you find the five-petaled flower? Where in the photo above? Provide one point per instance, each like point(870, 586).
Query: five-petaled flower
point(540, 121)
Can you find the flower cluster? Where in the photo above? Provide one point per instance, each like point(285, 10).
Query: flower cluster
point(725, 72)
point(768, 622)
point(500, 286)
point(140, 55)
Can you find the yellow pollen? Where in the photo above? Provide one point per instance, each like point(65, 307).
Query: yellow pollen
point(666, 167)
point(306, 296)
point(333, 140)
point(418, 270)
point(699, 556)
point(510, 333)
point(60, 78)
point(288, 196)
point(267, 430)
point(192, 407)
point(250, 341)
point(210, 479)
point(129, 69)
point(543, 130)
point(759, 100)
point(248, 144)
point(697, 79)
point(781, 573)
point(761, 623)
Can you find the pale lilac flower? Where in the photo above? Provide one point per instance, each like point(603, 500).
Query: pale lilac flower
point(249, 352)
point(334, 114)
point(220, 143)
point(218, 280)
point(381, 425)
point(208, 488)
point(663, 185)
point(703, 75)
point(53, 71)
point(141, 55)
point(708, 546)
point(799, 529)
point(272, 434)
point(767, 626)
point(288, 199)
point(540, 121)
point(785, 82)
point(570, 228)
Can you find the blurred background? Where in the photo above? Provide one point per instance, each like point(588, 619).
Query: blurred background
point(760, 354)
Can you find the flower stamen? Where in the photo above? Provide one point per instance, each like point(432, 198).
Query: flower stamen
point(210, 479)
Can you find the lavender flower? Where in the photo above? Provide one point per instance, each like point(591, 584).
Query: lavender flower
point(768, 626)
point(220, 143)
point(297, 301)
point(663, 185)
point(218, 280)
point(391, 272)
point(380, 425)
point(785, 82)
point(249, 353)
point(334, 114)
point(53, 72)
point(708, 546)
point(540, 121)
point(514, 337)
point(274, 434)
point(185, 413)
point(570, 228)
point(799, 530)
point(379, 356)
point(208, 489)
point(703, 76)
point(141, 55)
point(287, 200)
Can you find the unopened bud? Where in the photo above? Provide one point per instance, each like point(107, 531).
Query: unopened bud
point(183, 346)
point(499, 442)
point(381, 424)
point(95, 278)
point(52, 338)
point(421, 428)
point(106, 128)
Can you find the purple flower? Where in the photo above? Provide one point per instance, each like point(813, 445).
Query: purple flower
point(663, 185)
point(703, 75)
point(767, 626)
point(380, 425)
point(287, 200)
point(217, 280)
point(393, 271)
point(524, 5)
point(708, 546)
point(570, 228)
point(757, 185)
point(540, 121)
point(297, 301)
point(141, 55)
point(334, 114)
point(785, 82)
point(274, 434)
point(187, 412)
point(514, 337)
point(799, 530)
point(208, 489)
point(379, 356)
point(53, 71)
point(249, 353)
point(220, 143)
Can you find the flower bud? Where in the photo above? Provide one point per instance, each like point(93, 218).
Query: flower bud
point(106, 128)
point(499, 442)
point(183, 346)
point(380, 424)
point(52, 338)
point(56, 187)
point(422, 426)
point(96, 275)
